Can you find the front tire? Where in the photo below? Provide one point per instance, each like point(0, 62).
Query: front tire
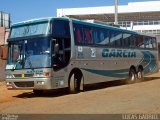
point(74, 84)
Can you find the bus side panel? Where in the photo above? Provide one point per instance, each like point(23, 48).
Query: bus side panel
point(149, 61)
point(100, 69)
point(107, 64)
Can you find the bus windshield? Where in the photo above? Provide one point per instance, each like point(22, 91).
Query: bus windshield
point(29, 53)
point(29, 30)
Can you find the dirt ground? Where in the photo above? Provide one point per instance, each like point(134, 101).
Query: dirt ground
point(110, 97)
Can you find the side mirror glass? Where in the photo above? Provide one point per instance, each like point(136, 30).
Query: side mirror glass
point(56, 48)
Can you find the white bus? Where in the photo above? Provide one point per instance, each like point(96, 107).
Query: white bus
point(52, 53)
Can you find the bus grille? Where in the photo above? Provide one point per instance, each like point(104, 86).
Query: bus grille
point(22, 75)
point(24, 84)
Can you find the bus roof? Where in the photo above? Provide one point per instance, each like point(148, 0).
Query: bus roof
point(46, 19)
point(37, 20)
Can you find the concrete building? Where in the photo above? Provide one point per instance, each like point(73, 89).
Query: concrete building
point(138, 16)
point(4, 27)
point(4, 32)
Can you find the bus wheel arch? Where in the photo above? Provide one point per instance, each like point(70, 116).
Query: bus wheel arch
point(75, 81)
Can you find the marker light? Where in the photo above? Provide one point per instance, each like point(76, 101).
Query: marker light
point(9, 76)
point(40, 82)
point(45, 74)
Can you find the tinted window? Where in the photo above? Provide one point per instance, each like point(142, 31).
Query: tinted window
point(128, 40)
point(82, 34)
point(78, 33)
point(154, 43)
point(148, 42)
point(100, 36)
point(87, 35)
point(115, 39)
point(140, 43)
point(132, 41)
point(29, 30)
point(61, 29)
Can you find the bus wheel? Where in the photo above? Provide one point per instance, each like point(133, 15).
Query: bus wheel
point(38, 92)
point(74, 84)
point(132, 76)
point(140, 75)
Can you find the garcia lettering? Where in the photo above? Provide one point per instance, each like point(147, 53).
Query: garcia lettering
point(118, 53)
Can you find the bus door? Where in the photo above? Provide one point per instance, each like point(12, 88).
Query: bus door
point(61, 50)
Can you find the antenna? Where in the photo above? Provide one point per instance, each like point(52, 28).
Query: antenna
point(116, 12)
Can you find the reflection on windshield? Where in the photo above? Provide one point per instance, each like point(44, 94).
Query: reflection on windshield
point(28, 30)
point(37, 46)
point(33, 53)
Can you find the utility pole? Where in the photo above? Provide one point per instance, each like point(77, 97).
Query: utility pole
point(116, 12)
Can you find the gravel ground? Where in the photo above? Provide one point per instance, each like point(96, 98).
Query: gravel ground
point(110, 97)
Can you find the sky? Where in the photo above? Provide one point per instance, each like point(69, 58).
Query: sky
point(21, 10)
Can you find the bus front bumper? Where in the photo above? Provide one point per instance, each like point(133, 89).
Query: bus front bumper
point(29, 84)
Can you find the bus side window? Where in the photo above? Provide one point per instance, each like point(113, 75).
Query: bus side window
point(95, 36)
point(61, 29)
point(100, 36)
point(88, 37)
point(78, 36)
point(148, 42)
point(112, 38)
point(140, 42)
point(126, 40)
point(116, 39)
point(132, 41)
point(106, 37)
point(154, 44)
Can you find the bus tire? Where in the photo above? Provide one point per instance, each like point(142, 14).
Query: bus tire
point(140, 75)
point(38, 92)
point(132, 76)
point(74, 86)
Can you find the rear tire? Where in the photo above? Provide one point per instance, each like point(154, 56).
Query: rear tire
point(132, 77)
point(140, 75)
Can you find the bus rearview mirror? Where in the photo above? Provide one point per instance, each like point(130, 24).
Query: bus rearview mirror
point(56, 48)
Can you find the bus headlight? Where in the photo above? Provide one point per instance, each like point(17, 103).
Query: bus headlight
point(45, 74)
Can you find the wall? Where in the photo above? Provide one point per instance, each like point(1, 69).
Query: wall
point(2, 69)
point(2, 35)
point(3, 41)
